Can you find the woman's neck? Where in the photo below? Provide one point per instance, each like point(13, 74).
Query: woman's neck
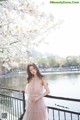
point(36, 77)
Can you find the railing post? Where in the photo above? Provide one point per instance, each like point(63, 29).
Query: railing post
point(23, 98)
point(23, 101)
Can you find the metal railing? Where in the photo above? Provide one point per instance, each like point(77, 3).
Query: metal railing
point(12, 106)
point(61, 112)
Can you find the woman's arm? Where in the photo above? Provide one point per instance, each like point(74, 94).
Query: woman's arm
point(45, 84)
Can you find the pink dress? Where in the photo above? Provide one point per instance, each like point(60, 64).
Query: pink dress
point(37, 110)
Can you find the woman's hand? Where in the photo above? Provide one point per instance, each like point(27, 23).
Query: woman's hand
point(34, 100)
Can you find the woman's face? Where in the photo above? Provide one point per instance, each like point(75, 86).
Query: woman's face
point(33, 71)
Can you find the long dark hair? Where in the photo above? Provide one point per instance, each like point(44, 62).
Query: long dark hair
point(30, 75)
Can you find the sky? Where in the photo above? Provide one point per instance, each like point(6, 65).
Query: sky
point(64, 41)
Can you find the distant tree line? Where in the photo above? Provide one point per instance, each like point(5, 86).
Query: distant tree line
point(52, 61)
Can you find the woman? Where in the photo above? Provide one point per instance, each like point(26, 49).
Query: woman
point(36, 89)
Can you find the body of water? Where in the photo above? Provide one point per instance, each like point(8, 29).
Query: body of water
point(61, 85)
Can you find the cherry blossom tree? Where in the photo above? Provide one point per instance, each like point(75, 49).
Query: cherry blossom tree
point(23, 26)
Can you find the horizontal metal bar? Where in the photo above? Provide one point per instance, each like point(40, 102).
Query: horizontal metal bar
point(63, 98)
point(9, 89)
point(53, 108)
point(49, 96)
point(11, 97)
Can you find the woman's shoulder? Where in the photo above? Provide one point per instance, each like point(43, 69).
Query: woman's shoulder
point(42, 80)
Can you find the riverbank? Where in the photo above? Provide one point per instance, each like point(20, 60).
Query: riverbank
point(59, 72)
point(14, 73)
